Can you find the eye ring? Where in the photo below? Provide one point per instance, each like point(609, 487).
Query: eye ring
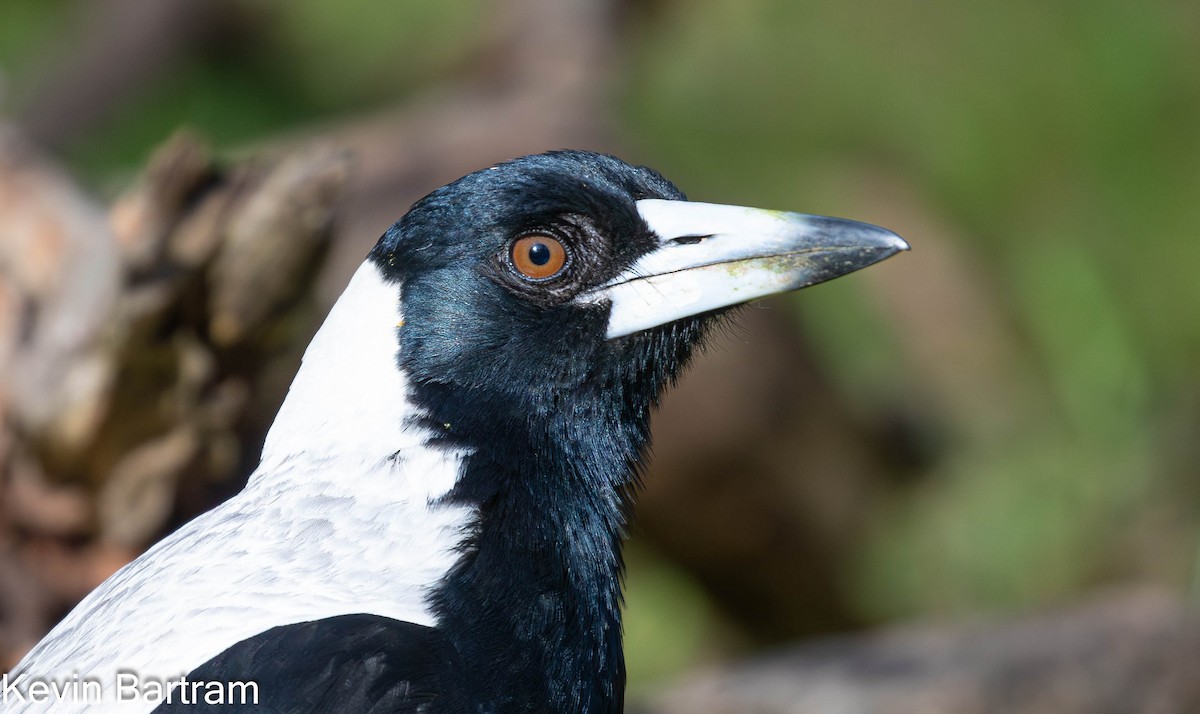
point(537, 256)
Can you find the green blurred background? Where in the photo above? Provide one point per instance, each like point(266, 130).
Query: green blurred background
point(1042, 158)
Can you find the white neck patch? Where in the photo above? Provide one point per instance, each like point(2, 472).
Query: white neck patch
point(349, 401)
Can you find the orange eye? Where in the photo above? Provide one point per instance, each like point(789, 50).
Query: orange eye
point(538, 256)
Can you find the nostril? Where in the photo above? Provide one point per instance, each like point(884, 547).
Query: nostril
point(689, 240)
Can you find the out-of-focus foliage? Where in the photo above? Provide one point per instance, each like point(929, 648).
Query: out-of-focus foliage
point(344, 60)
point(669, 625)
point(27, 25)
point(1061, 144)
point(306, 60)
point(1056, 144)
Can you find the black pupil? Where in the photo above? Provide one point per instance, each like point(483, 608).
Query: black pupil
point(539, 254)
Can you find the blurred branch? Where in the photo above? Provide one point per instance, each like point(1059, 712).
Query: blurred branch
point(1127, 654)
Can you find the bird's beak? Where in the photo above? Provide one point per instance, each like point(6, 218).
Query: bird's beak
point(712, 256)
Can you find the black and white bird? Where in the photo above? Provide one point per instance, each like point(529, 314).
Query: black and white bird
point(436, 522)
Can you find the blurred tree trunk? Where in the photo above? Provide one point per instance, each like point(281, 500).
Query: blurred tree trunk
point(143, 353)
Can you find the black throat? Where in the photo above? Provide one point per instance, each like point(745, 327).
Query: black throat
point(533, 604)
point(554, 426)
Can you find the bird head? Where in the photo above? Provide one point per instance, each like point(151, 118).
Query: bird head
point(571, 284)
point(551, 281)
point(531, 313)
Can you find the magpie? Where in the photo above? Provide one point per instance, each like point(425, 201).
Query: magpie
point(436, 521)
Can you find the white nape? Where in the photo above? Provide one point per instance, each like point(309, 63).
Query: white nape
point(339, 518)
